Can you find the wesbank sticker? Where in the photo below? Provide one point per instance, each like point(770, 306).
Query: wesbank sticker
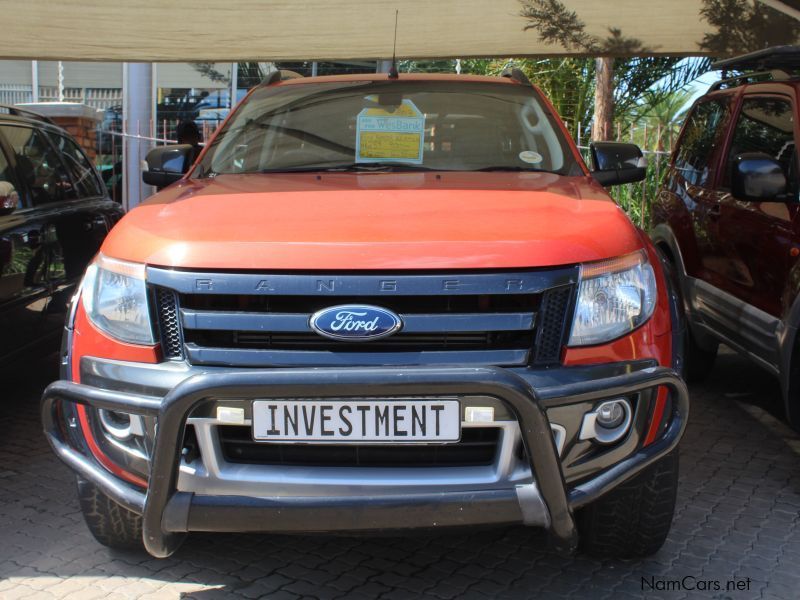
point(383, 135)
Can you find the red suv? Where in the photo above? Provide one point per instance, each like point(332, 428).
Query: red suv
point(727, 219)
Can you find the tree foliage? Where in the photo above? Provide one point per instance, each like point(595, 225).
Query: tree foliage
point(637, 81)
point(744, 26)
point(556, 24)
point(569, 82)
point(663, 115)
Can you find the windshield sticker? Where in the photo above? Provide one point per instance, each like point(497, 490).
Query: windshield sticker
point(383, 134)
point(529, 156)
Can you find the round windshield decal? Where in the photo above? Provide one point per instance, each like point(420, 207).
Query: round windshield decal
point(529, 156)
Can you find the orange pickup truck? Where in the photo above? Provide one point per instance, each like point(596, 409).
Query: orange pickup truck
point(376, 303)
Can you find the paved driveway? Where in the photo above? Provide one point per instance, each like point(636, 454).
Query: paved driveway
point(737, 528)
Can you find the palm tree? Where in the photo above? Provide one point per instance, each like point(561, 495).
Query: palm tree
point(663, 113)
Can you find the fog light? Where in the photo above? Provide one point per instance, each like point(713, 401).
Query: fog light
point(609, 422)
point(611, 414)
point(121, 425)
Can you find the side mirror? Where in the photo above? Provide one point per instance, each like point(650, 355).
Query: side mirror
point(757, 176)
point(615, 163)
point(167, 164)
point(9, 198)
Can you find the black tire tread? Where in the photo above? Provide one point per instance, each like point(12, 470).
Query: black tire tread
point(634, 519)
point(111, 524)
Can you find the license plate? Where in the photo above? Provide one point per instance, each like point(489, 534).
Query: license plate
point(357, 421)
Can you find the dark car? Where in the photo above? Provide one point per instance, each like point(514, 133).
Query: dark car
point(54, 214)
point(727, 218)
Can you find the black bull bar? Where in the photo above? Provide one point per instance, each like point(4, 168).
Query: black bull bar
point(166, 511)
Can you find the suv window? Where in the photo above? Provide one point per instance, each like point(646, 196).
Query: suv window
point(437, 125)
point(83, 173)
point(765, 125)
point(701, 133)
point(38, 165)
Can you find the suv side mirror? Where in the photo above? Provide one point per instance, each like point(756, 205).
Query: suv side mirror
point(167, 164)
point(614, 163)
point(757, 176)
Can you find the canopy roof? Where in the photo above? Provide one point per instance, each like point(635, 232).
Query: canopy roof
point(265, 30)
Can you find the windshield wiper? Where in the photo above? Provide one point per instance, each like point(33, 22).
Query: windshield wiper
point(375, 167)
point(510, 168)
point(378, 166)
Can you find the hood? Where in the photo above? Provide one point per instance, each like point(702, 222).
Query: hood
point(346, 221)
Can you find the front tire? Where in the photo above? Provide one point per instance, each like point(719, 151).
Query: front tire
point(633, 520)
point(699, 360)
point(110, 523)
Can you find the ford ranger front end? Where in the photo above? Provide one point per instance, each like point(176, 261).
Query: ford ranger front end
point(287, 342)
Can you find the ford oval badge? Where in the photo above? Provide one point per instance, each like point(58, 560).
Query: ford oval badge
point(355, 322)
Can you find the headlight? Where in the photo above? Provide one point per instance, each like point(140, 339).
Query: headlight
point(614, 297)
point(115, 300)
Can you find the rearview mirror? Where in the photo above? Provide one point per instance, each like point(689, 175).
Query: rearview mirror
point(167, 164)
point(615, 163)
point(757, 176)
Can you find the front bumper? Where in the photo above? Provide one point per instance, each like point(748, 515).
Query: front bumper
point(547, 501)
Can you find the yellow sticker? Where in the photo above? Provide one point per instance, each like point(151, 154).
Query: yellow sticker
point(390, 135)
point(407, 109)
point(383, 145)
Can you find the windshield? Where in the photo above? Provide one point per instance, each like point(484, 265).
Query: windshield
point(390, 125)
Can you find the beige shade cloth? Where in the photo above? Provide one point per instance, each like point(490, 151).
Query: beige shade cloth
point(266, 30)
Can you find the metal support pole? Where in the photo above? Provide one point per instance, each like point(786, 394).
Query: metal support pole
point(314, 68)
point(234, 84)
point(60, 81)
point(34, 81)
point(154, 102)
point(137, 114)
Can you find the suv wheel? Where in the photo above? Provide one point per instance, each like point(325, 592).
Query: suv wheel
point(698, 360)
point(111, 524)
point(634, 519)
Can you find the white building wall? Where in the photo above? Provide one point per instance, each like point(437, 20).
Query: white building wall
point(186, 75)
point(15, 72)
point(108, 75)
point(81, 74)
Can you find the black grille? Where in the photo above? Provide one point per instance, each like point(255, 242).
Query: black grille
point(484, 340)
point(440, 304)
point(229, 318)
point(551, 326)
point(477, 447)
point(167, 306)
